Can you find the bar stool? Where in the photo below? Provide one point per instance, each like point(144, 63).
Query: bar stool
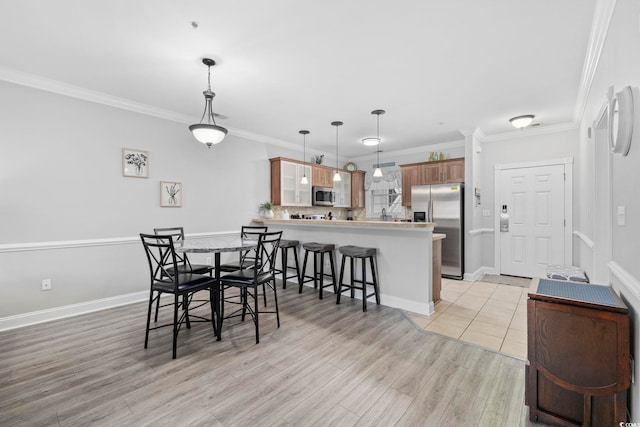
point(284, 247)
point(354, 253)
point(318, 250)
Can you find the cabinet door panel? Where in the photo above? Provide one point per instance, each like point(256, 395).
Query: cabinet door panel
point(431, 173)
point(410, 177)
point(454, 171)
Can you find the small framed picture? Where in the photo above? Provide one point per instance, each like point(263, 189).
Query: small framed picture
point(135, 163)
point(170, 194)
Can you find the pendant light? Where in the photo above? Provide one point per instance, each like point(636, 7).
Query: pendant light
point(304, 180)
point(208, 133)
point(336, 176)
point(377, 172)
point(522, 122)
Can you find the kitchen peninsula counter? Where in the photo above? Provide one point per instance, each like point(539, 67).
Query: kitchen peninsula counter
point(404, 257)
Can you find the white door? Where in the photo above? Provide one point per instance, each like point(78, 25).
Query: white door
point(535, 202)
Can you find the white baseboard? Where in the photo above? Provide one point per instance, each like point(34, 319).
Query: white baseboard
point(56, 313)
point(388, 300)
point(477, 275)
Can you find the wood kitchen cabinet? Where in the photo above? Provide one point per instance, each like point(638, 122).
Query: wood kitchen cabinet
point(427, 173)
point(410, 177)
point(357, 189)
point(578, 347)
point(286, 189)
point(322, 176)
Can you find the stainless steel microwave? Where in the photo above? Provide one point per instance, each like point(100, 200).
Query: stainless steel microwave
point(323, 196)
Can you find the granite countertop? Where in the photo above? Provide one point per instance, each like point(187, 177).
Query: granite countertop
point(439, 236)
point(344, 223)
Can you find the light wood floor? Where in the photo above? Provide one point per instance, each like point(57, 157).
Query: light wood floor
point(328, 364)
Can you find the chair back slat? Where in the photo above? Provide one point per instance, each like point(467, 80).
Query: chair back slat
point(268, 244)
point(162, 258)
point(251, 232)
point(178, 235)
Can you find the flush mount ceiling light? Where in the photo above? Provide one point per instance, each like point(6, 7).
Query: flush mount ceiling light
point(336, 175)
point(208, 133)
point(304, 180)
point(377, 173)
point(522, 122)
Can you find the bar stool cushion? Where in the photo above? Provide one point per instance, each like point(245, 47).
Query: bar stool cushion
point(318, 247)
point(289, 243)
point(357, 251)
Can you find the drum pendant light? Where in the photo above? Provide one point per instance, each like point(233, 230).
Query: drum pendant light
point(377, 172)
point(304, 180)
point(336, 175)
point(208, 133)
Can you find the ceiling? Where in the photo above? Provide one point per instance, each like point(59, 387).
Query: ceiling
point(436, 67)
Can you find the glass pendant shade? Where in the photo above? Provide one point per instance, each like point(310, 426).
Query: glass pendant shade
point(337, 177)
point(522, 122)
point(304, 180)
point(208, 133)
point(377, 172)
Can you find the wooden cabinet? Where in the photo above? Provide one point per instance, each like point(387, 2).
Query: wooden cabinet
point(286, 189)
point(578, 346)
point(322, 176)
point(357, 189)
point(410, 177)
point(343, 190)
point(453, 170)
point(426, 173)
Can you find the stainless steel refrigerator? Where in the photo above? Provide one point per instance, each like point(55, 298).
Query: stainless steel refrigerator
point(444, 205)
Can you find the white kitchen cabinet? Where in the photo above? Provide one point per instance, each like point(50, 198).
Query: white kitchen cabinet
point(286, 189)
point(343, 190)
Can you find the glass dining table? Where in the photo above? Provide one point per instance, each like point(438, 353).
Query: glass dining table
point(217, 245)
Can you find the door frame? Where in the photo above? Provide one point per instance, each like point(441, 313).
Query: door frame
point(567, 162)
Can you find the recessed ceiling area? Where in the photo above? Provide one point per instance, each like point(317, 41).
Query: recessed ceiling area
point(436, 68)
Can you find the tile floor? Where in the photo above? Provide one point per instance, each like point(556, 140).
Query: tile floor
point(486, 314)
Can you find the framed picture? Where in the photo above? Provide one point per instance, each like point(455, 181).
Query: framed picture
point(135, 163)
point(170, 194)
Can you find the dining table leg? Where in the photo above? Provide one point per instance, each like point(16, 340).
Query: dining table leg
point(219, 300)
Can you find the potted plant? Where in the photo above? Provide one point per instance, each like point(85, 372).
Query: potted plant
point(267, 209)
point(318, 159)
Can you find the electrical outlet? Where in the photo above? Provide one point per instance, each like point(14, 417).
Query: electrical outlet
point(486, 212)
point(208, 260)
point(46, 284)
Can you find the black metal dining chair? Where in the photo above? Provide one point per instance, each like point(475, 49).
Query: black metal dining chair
point(249, 280)
point(247, 258)
point(184, 265)
point(165, 278)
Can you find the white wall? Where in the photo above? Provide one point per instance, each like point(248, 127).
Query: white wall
point(519, 147)
point(61, 175)
point(619, 66)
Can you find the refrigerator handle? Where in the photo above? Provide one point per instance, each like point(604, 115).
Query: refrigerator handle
point(430, 211)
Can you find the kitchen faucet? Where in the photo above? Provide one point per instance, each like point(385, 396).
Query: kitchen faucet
point(384, 215)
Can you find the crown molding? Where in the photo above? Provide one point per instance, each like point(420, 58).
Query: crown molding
point(72, 91)
point(602, 15)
